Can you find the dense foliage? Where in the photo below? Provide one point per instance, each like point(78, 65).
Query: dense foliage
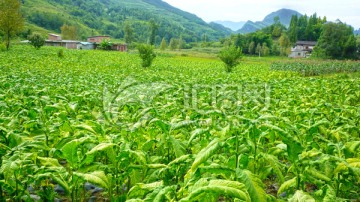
point(305, 28)
point(337, 41)
point(183, 130)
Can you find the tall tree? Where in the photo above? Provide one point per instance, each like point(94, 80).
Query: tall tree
point(163, 44)
point(11, 20)
point(68, 32)
point(293, 29)
point(277, 27)
point(302, 24)
point(181, 43)
point(173, 44)
point(310, 28)
point(129, 33)
point(258, 49)
point(153, 31)
point(265, 49)
point(252, 48)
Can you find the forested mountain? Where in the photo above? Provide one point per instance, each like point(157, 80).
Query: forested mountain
point(109, 17)
point(284, 17)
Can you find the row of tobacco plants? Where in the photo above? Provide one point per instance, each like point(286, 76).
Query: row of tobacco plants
point(317, 67)
point(181, 130)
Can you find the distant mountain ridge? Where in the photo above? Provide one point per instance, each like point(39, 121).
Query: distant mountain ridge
point(283, 14)
point(357, 32)
point(234, 26)
point(250, 26)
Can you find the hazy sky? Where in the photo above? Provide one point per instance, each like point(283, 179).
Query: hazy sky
point(240, 10)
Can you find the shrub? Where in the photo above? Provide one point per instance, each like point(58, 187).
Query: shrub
point(60, 53)
point(230, 56)
point(2, 47)
point(105, 45)
point(146, 53)
point(36, 40)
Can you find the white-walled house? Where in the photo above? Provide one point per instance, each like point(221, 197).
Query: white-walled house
point(302, 49)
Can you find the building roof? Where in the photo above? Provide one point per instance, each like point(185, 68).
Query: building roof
point(98, 36)
point(54, 35)
point(63, 41)
point(85, 43)
point(309, 43)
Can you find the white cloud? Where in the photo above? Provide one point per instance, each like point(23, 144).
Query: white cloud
point(241, 10)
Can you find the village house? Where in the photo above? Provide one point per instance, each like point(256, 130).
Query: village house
point(97, 39)
point(91, 44)
point(302, 49)
point(54, 37)
point(119, 47)
point(55, 40)
point(85, 46)
point(69, 44)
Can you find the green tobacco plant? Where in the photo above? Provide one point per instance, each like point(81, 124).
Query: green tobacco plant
point(183, 130)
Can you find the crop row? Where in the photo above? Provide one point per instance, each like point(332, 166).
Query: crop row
point(316, 67)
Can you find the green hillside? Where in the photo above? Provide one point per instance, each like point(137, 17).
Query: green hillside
point(109, 16)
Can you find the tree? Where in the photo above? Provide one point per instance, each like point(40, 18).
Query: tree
point(285, 45)
point(181, 43)
point(163, 44)
point(277, 27)
point(252, 48)
point(301, 27)
point(336, 41)
point(105, 45)
point(258, 49)
point(11, 20)
point(293, 29)
point(37, 40)
point(230, 56)
point(68, 32)
point(129, 33)
point(358, 44)
point(265, 49)
point(146, 53)
point(275, 50)
point(350, 48)
point(153, 29)
point(276, 33)
point(173, 44)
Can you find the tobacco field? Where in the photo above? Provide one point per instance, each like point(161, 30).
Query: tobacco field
point(181, 130)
